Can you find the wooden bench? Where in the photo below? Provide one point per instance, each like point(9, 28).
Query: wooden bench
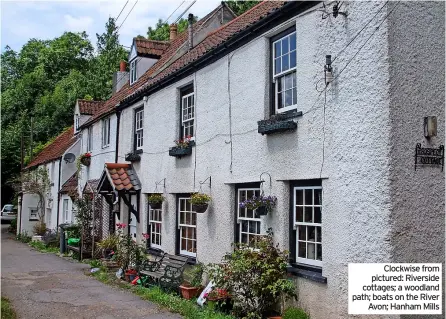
point(167, 272)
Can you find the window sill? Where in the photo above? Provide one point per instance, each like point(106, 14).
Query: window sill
point(105, 146)
point(138, 151)
point(307, 274)
point(290, 114)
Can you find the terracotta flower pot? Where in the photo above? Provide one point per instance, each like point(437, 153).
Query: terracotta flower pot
point(190, 292)
point(201, 208)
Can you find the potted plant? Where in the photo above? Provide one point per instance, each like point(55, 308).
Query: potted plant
point(156, 201)
point(193, 288)
point(261, 204)
point(182, 147)
point(200, 202)
point(108, 246)
point(295, 313)
point(85, 159)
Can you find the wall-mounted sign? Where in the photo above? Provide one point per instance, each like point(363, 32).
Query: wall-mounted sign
point(429, 156)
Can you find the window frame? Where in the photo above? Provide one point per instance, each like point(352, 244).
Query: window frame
point(106, 132)
point(179, 226)
point(275, 78)
point(133, 71)
point(76, 122)
point(136, 130)
point(90, 139)
point(295, 261)
point(237, 219)
point(149, 226)
point(65, 209)
point(186, 92)
point(31, 209)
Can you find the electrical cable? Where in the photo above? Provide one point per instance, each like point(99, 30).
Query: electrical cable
point(122, 10)
point(167, 19)
point(230, 109)
point(360, 31)
point(127, 15)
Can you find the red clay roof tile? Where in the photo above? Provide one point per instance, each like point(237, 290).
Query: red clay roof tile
point(122, 176)
point(55, 150)
point(150, 48)
point(89, 107)
point(70, 186)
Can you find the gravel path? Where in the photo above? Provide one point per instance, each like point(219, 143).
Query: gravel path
point(47, 286)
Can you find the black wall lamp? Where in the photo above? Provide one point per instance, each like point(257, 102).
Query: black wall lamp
point(328, 70)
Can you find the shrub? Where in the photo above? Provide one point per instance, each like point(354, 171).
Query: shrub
point(39, 228)
point(194, 276)
point(110, 242)
point(255, 279)
point(199, 199)
point(95, 263)
point(295, 313)
point(24, 237)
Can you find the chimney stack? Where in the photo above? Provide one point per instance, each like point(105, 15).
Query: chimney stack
point(190, 19)
point(122, 66)
point(173, 31)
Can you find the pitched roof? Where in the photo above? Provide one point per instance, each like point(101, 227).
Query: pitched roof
point(89, 107)
point(70, 186)
point(167, 64)
point(91, 186)
point(122, 176)
point(55, 149)
point(150, 48)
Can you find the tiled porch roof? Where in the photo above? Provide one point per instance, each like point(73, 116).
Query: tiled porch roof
point(122, 176)
point(70, 186)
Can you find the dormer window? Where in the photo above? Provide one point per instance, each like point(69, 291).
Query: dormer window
point(76, 122)
point(133, 75)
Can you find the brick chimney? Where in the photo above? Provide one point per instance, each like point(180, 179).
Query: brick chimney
point(122, 66)
point(173, 31)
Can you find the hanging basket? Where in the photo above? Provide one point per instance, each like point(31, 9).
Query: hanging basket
point(200, 208)
point(156, 205)
point(261, 211)
point(86, 161)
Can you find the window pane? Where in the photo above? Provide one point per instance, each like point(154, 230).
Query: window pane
point(277, 66)
point(289, 81)
point(308, 197)
point(299, 214)
point(280, 100)
point(293, 41)
point(294, 96)
point(319, 252)
point(293, 59)
point(317, 215)
point(244, 238)
point(302, 249)
point(318, 197)
point(299, 197)
point(280, 84)
point(302, 232)
point(311, 251)
point(285, 46)
point(245, 226)
point(319, 234)
point(277, 51)
point(288, 98)
point(285, 63)
point(311, 233)
point(308, 214)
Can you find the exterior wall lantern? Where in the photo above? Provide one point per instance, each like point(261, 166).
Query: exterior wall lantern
point(430, 126)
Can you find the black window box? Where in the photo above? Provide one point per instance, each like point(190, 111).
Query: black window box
point(133, 157)
point(276, 125)
point(180, 151)
point(307, 274)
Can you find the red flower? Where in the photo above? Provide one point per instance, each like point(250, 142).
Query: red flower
point(145, 236)
point(121, 225)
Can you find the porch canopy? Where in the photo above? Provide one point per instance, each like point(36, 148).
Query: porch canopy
point(121, 180)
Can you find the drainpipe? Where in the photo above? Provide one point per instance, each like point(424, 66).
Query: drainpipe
point(118, 117)
point(19, 213)
point(190, 19)
point(58, 195)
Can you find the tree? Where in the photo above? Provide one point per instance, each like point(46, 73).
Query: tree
point(161, 32)
point(240, 7)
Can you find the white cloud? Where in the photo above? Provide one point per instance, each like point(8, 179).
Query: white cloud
point(77, 24)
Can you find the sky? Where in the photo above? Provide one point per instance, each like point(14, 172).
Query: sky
point(24, 20)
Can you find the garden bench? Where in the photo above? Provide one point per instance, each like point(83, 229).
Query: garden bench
point(166, 272)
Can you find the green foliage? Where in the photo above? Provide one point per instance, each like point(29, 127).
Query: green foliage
point(239, 7)
point(43, 80)
point(7, 310)
point(13, 227)
point(194, 275)
point(23, 237)
point(199, 199)
point(94, 263)
point(40, 246)
point(156, 198)
point(161, 32)
point(39, 228)
point(254, 278)
point(295, 313)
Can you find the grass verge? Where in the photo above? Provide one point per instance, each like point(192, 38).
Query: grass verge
point(7, 310)
point(38, 245)
point(174, 303)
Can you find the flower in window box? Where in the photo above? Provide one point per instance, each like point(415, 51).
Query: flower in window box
point(184, 142)
point(85, 159)
point(156, 201)
point(261, 204)
point(200, 202)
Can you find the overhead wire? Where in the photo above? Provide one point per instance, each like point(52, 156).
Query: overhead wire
point(122, 10)
point(127, 15)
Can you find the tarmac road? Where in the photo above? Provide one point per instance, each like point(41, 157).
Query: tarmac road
point(46, 286)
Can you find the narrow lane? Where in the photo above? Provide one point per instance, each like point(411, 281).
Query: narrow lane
point(47, 286)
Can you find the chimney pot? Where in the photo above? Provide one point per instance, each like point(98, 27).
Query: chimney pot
point(173, 31)
point(122, 66)
point(190, 19)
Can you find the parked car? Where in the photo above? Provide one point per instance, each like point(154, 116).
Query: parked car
point(9, 212)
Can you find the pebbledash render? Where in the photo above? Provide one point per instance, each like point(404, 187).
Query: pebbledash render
point(343, 174)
